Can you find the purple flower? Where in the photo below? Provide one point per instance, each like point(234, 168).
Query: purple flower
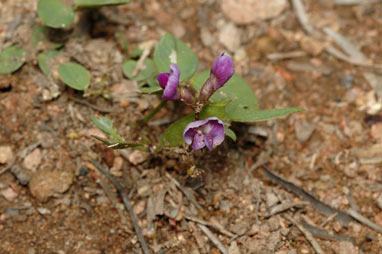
point(221, 71)
point(208, 132)
point(169, 81)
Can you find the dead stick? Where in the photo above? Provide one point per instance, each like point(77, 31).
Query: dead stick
point(185, 192)
point(317, 248)
point(127, 203)
point(364, 220)
point(213, 238)
point(206, 223)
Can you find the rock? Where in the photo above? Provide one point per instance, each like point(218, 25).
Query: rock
point(230, 37)
point(46, 183)
point(271, 199)
point(303, 131)
point(247, 11)
point(346, 247)
point(33, 160)
point(9, 194)
point(137, 157)
point(206, 37)
point(239, 228)
point(178, 30)
point(376, 132)
point(233, 249)
point(379, 202)
point(20, 174)
point(6, 154)
point(43, 211)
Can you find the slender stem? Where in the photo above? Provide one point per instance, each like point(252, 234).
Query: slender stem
point(155, 111)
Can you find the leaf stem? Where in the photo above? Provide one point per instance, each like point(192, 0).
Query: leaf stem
point(154, 111)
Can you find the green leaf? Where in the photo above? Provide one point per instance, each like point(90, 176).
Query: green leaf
point(147, 72)
point(11, 59)
point(104, 124)
point(236, 91)
point(263, 115)
point(40, 34)
point(137, 52)
point(98, 3)
point(171, 50)
point(55, 13)
point(74, 75)
point(44, 60)
point(173, 136)
point(214, 109)
point(230, 133)
point(112, 143)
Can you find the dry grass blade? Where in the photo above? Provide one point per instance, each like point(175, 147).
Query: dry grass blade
point(127, 203)
point(354, 55)
point(302, 17)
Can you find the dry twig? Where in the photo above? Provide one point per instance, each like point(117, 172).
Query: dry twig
point(344, 218)
point(307, 234)
point(127, 203)
point(283, 207)
point(299, 9)
point(364, 220)
point(185, 192)
point(206, 223)
point(213, 238)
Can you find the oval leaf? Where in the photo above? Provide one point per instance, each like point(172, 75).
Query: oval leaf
point(55, 13)
point(74, 75)
point(146, 73)
point(11, 59)
point(263, 115)
point(171, 50)
point(98, 3)
point(44, 60)
point(173, 136)
point(40, 34)
point(230, 133)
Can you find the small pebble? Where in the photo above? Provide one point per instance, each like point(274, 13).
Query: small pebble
point(43, 210)
point(33, 160)
point(379, 202)
point(6, 154)
point(9, 194)
point(271, 199)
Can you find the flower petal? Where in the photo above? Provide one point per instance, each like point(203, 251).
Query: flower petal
point(198, 142)
point(208, 140)
point(162, 79)
point(170, 91)
point(188, 135)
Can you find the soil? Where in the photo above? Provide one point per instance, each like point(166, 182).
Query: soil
point(54, 200)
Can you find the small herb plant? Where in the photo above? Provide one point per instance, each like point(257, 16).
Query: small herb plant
point(217, 96)
point(54, 15)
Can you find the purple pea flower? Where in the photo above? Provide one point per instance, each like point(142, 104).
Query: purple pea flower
point(208, 132)
point(169, 81)
point(221, 71)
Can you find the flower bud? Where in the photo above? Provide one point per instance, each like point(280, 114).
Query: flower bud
point(221, 71)
point(169, 82)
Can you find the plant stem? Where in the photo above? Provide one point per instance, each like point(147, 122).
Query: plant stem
point(155, 111)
